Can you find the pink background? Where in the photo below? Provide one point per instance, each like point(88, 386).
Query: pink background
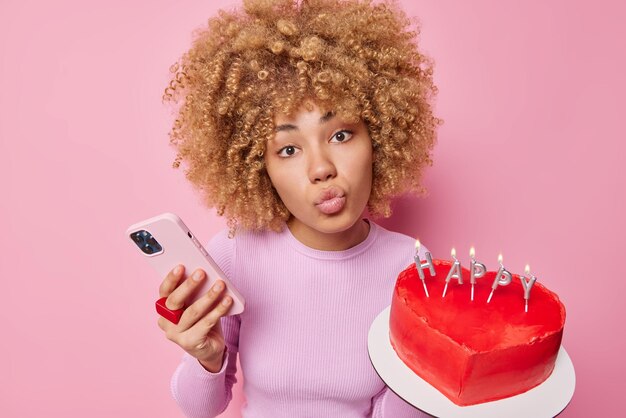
point(528, 163)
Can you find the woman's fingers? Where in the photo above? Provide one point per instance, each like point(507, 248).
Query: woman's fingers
point(209, 302)
point(211, 319)
point(206, 334)
point(177, 294)
point(171, 281)
point(163, 323)
point(198, 332)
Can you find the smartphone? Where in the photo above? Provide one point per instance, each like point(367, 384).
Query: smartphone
point(165, 241)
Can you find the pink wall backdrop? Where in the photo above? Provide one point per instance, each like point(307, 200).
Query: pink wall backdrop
point(529, 162)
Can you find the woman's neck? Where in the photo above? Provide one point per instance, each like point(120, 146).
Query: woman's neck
point(337, 241)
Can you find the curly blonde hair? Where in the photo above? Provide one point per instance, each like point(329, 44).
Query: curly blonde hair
point(356, 58)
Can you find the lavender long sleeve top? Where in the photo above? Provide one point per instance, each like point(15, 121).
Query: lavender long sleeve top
point(302, 339)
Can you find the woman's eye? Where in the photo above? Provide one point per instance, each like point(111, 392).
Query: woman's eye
point(287, 151)
point(341, 136)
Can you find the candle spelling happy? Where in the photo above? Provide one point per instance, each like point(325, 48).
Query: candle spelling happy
point(477, 270)
point(420, 266)
point(503, 278)
point(528, 285)
point(454, 273)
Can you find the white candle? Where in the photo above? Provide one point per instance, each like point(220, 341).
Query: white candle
point(503, 278)
point(528, 285)
point(477, 270)
point(454, 273)
point(420, 266)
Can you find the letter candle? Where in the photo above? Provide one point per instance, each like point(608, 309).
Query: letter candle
point(503, 278)
point(419, 266)
point(528, 285)
point(477, 270)
point(455, 272)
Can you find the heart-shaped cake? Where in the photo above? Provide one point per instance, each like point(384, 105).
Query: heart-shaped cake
point(474, 351)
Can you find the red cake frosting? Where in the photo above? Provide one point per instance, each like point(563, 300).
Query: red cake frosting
point(474, 351)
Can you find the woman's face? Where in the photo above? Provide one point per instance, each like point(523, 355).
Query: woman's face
point(321, 168)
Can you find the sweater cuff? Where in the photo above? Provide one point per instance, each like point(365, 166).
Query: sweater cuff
point(200, 370)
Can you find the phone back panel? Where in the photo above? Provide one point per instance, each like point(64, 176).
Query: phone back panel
point(180, 246)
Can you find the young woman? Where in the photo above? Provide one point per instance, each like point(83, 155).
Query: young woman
point(296, 119)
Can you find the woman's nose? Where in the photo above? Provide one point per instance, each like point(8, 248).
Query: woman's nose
point(321, 167)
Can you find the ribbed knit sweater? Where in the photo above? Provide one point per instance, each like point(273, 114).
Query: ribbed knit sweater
point(302, 338)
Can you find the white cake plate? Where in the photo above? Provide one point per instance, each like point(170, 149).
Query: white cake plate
point(546, 400)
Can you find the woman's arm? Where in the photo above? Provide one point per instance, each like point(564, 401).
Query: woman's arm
point(200, 393)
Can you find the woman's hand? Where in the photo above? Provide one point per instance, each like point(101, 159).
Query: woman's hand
point(198, 332)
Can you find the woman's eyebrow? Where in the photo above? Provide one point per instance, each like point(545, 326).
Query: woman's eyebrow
point(290, 127)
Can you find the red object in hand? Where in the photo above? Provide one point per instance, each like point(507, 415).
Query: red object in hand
point(171, 315)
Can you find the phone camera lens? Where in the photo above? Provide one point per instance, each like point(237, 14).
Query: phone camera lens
point(146, 242)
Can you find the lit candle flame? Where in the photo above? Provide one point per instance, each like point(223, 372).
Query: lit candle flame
point(472, 252)
point(500, 258)
point(417, 245)
point(527, 269)
point(453, 253)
